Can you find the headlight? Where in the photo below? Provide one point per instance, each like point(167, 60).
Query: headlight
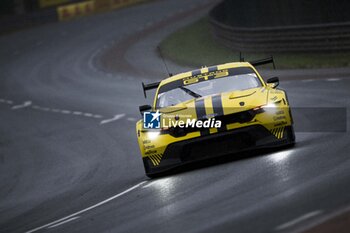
point(153, 134)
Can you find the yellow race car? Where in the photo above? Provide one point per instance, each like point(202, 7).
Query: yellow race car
point(212, 111)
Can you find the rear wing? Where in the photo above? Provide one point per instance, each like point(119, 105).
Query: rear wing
point(147, 87)
point(263, 62)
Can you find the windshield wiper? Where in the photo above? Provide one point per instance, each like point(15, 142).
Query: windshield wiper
point(188, 91)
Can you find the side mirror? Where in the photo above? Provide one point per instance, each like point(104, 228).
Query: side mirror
point(145, 108)
point(273, 82)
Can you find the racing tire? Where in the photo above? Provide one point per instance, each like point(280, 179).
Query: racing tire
point(290, 135)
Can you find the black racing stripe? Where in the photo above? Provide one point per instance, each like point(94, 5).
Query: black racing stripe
point(218, 109)
point(200, 111)
point(217, 105)
point(196, 72)
point(212, 69)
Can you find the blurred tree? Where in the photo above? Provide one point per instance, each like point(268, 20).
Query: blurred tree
point(7, 7)
point(19, 6)
point(31, 5)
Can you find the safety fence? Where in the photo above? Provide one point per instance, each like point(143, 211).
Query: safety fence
point(302, 38)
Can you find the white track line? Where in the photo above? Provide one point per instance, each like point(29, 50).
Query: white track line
point(131, 119)
point(24, 105)
point(61, 223)
point(307, 80)
point(87, 209)
point(29, 103)
point(115, 118)
point(148, 185)
point(65, 111)
point(333, 79)
point(6, 101)
point(298, 220)
point(41, 108)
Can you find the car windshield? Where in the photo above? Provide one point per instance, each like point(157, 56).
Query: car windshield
point(208, 87)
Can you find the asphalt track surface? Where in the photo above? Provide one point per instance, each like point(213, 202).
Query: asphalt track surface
point(69, 160)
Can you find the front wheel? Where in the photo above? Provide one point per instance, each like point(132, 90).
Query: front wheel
point(290, 135)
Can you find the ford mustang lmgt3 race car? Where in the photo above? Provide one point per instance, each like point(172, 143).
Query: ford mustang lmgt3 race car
point(212, 111)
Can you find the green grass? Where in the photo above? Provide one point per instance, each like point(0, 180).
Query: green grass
point(195, 46)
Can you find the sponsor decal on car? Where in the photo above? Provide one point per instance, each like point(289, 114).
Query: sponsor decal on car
point(154, 120)
point(151, 120)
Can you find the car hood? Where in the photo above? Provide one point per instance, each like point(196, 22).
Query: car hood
point(219, 104)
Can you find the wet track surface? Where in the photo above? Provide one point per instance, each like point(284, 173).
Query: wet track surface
point(68, 149)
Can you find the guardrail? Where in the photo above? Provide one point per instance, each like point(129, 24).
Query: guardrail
point(304, 38)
